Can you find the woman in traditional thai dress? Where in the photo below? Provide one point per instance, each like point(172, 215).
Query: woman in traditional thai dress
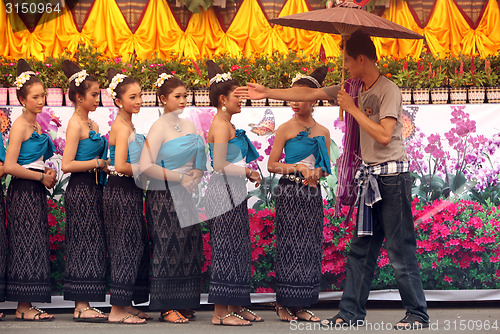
point(28, 270)
point(84, 157)
point(124, 221)
point(3, 235)
point(226, 205)
point(299, 205)
point(173, 160)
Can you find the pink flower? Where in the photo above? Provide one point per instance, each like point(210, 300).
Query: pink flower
point(448, 279)
point(234, 68)
point(48, 65)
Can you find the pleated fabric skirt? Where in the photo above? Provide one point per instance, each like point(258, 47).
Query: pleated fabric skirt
point(177, 251)
point(28, 270)
point(85, 272)
point(230, 240)
point(3, 246)
point(127, 241)
point(299, 238)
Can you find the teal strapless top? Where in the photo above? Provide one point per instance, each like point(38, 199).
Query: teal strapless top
point(238, 148)
point(90, 148)
point(2, 149)
point(302, 146)
point(134, 150)
point(36, 146)
point(177, 152)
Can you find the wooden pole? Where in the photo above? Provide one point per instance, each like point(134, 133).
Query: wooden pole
point(341, 112)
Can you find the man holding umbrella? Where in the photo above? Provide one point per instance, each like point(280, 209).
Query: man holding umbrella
point(385, 182)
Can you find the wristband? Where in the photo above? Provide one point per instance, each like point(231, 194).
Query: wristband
point(41, 176)
point(250, 174)
point(181, 177)
point(97, 162)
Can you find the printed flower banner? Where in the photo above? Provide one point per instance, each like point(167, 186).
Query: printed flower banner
point(455, 157)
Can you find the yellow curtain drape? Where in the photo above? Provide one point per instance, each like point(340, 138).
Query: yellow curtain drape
point(446, 30)
point(159, 33)
point(400, 13)
point(107, 29)
point(487, 34)
point(252, 32)
point(308, 41)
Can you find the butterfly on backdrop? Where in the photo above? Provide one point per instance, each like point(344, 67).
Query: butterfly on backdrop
point(266, 126)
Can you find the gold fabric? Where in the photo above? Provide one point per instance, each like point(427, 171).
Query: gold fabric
point(158, 32)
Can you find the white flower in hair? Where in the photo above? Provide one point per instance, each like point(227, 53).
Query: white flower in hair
point(21, 80)
point(220, 78)
point(79, 77)
point(161, 79)
point(114, 82)
point(298, 76)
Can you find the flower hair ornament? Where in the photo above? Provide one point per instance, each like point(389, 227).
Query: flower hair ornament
point(22, 78)
point(299, 76)
point(220, 77)
point(78, 77)
point(114, 83)
point(161, 79)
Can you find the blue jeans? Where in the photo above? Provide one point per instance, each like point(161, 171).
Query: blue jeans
point(392, 220)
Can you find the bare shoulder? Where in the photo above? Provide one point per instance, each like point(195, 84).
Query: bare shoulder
point(324, 130)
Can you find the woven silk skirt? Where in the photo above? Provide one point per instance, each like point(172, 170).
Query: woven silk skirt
point(28, 270)
point(127, 241)
point(177, 251)
point(299, 238)
point(85, 271)
point(230, 240)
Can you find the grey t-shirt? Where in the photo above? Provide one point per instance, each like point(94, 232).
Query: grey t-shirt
point(381, 101)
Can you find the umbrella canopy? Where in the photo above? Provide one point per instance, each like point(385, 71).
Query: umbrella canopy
point(344, 20)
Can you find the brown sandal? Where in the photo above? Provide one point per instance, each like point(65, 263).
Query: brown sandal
point(122, 321)
point(92, 319)
point(231, 314)
point(40, 312)
point(244, 309)
point(303, 310)
point(279, 308)
point(173, 317)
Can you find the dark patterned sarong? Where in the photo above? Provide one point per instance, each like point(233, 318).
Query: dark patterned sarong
point(177, 252)
point(28, 272)
point(127, 241)
point(230, 240)
point(3, 246)
point(85, 271)
point(299, 236)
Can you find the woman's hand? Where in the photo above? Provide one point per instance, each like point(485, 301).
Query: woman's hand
point(310, 175)
point(188, 182)
point(49, 178)
point(254, 177)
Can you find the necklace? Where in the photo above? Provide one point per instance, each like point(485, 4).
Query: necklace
point(89, 122)
point(308, 129)
point(234, 127)
point(35, 127)
point(379, 75)
point(128, 122)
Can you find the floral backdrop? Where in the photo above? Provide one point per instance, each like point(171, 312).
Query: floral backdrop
point(455, 155)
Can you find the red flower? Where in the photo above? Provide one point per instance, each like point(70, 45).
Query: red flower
point(448, 279)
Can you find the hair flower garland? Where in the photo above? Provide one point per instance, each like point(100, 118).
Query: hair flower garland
point(22, 78)
point(299, 76)
point(220, 78)
point(78, 77)
point(114, 83)
point(161, 79)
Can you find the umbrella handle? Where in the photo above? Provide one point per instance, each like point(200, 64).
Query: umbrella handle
point(341, 111)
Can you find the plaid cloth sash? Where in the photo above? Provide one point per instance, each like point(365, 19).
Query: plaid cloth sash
point(369, 193)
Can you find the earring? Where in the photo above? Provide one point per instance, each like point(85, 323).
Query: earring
point(224, 109)
point(24, 108)
point(80, 101)
point(120, 107)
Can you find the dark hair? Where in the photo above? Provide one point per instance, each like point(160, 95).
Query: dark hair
point(122, 86)
point(23, 66)
point(319, 74)
point(219, 88)
point(71, 68)
point(361, 44)
point(168, 85)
